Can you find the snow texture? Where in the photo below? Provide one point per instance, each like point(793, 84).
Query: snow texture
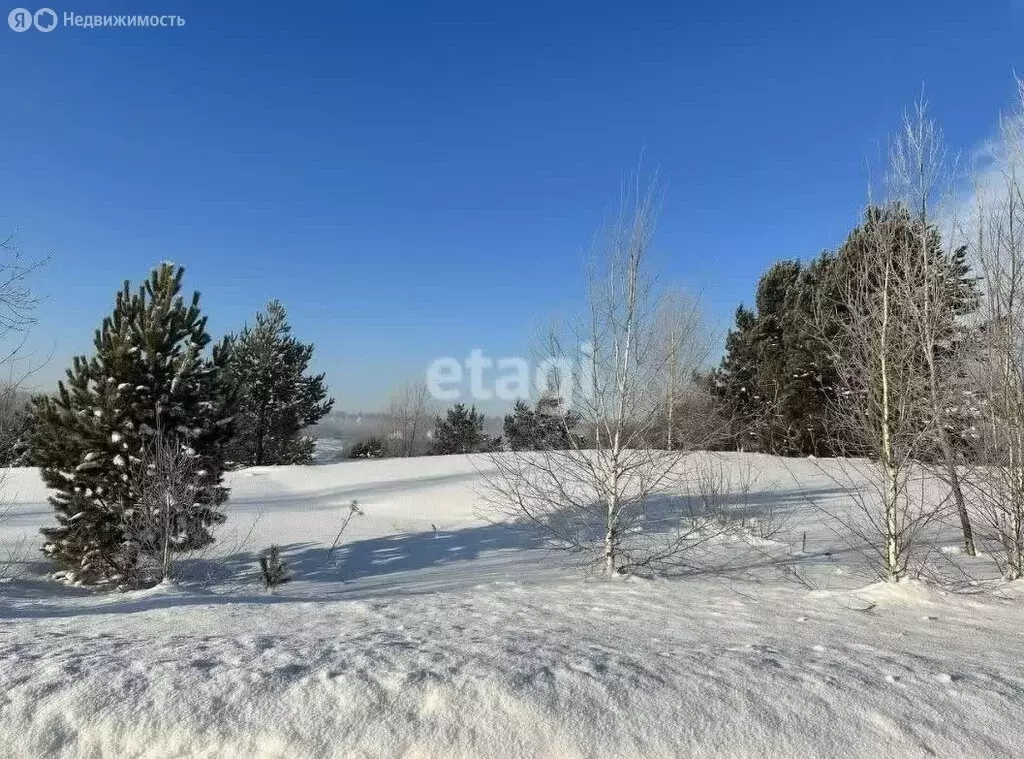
point(432, 632)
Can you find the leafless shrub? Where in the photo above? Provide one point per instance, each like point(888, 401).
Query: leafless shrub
point(225, 563)
point(166, 481)
point(726, 487)
point(13, 556)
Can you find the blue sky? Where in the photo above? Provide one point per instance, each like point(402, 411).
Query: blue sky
point(416, 180)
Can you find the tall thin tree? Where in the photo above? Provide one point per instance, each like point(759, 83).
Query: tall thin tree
point(919, 175)
point(607, 497)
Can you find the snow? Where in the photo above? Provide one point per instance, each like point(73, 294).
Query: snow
point(432, 631)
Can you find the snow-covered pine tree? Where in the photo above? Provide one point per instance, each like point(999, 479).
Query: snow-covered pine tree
point(148, 375)
point(277, 399)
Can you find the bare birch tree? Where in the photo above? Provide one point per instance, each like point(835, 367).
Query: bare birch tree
point(880, 409)
point(997, 229)
point(685, 344)
point(410, 415)
point(919, 178)
point(17, 316)
point(609, 496)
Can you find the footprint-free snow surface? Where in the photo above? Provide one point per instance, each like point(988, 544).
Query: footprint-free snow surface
point(433, 631)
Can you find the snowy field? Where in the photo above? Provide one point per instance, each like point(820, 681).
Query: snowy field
point(433, 632)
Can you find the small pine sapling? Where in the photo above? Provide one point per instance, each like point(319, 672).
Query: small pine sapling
point(273, 569)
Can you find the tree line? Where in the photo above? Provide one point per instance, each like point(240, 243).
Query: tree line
point(544, 425)
point(901, 351)
point(779, 380)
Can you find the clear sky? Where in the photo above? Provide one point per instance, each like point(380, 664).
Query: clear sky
point(415, 180)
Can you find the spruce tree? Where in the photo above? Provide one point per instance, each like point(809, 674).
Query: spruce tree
point(277, 399)
point(462, 431)
point(149, 378)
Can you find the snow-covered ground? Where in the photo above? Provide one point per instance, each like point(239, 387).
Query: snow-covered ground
point(435, 632)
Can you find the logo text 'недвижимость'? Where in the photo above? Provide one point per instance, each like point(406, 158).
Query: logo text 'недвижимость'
point(47, 19)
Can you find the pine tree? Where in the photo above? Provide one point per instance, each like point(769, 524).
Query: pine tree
point(273, 570)
point(520, 427)
point(544, 427)
point(148, 378)
point(777, 381)
point(462, 431)
point(734, 383)
point(758, 382)
point(277, 400)
point(802, 372)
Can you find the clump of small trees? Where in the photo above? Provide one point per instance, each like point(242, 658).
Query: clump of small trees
point(545, 426)
point(17, 316)
point(995, 230)
point(892, 353)
point(369, 448)
point(409, 417)
point(15, 425)
point(135, 442)
point(927, 362)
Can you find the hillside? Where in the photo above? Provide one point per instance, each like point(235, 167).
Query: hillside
point(435, 632)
